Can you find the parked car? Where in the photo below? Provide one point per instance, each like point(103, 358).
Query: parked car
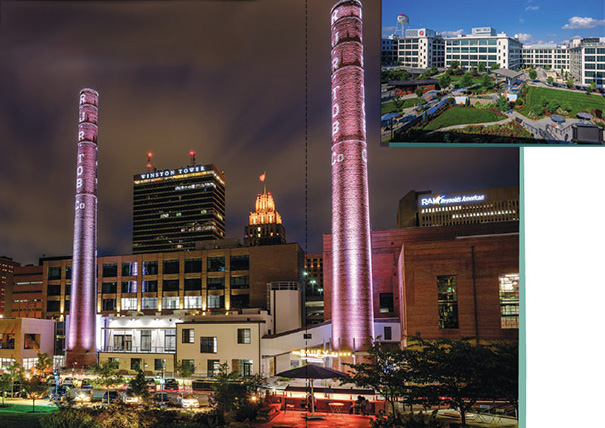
point(186, 401)
point(171, 385)
point(161, 398)
point(151, 385)
point(68, 381)
point(80, 395)
point(113, 396)
point(86, 383)
point(130, 398)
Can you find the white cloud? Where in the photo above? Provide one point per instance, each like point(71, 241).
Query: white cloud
point(452, 33)
point(586, 22)
point(524, 37)
point(532, 8)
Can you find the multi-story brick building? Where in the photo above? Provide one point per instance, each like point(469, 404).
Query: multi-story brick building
point(7, 266)
point(443, 282)
point(24, 296)
point(216, 279)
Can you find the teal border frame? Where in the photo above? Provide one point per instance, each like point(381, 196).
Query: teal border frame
point(522, 306)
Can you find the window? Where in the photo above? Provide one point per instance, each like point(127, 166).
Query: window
point(129, 269)
point(170, 285)
point(67, 272)
point(109, 287)
point(159, 364)
point(386, 303)
point(122, 342)
point(53, 306)
point(193, 302)
point(170, 340)
point(215, 283)
point(31, 341)
point(243, 367)
point(7, 341)
point(171, 266)
point(240, 262)
point(149, 303)
point(240, 282)
point(193, 265)
point(114, 360)
point(240, 300)
point(216, 302)
point(150, 286)
point(189, 363)
point(129, 304)
point(208, 345)
point(129, 286)
point(188, 335)
point(193, 284)
point(216, 264)
point(447, 297)
point(54, 289)
point(150, 267)
point(110, 269)
point(135, 364)
point(145, 340)
point(388, 335)
point(243, 335)
point(54, 273)
point(213, 366)
point(108, 304)
point(170, 302)
point(509, 301)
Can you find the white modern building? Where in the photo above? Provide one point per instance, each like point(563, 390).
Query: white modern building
point(551, 56)
point(420, 48)
point(587, 61)
point(483, 45)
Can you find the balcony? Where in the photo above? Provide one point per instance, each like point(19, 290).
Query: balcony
point(139, 349)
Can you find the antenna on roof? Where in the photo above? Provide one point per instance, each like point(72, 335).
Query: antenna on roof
point(150, 166)
point(192, 157)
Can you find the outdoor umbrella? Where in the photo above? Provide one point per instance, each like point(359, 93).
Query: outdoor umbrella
point(312, 372)
point(557, 118)
point(585, 116)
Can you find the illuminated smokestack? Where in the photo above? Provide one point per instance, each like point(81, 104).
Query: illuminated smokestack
point(352, 308)
point(81, 349)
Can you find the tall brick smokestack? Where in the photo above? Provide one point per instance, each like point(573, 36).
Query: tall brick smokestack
point(81, 329)
point(352, 307)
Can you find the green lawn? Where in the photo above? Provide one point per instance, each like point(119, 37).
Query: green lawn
point(389, 107)
point(462, 116)
point(19, 415)
point(577, 101)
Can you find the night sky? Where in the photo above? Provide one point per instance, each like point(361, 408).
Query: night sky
point(223, 78)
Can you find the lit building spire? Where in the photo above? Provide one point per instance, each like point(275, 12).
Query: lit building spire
point(264, 224)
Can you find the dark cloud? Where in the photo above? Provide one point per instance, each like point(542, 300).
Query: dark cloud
point(226, 79)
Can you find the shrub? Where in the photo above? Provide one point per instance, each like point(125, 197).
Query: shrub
point(68, 418)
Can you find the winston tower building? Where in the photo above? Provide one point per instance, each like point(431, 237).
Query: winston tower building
point(352, 316)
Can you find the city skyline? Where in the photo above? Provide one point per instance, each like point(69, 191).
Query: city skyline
point(169, 86)
point(530, 21)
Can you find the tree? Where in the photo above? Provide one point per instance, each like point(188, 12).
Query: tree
point(505, 370)
point(486, 81)
point(44, 365)
point(454, 65)
point(592, 87)
point(387, 372)
point(35, 386)
point(184, 370)
point(419, 91)
point(16, 374)
point(138, 385)
point(494, 66)
point(231, 391)
point(481, 67)
point(502, 103)
point(569, 83)
point(455, 370)
point(444, 81)
point(6, 383)
point(107, 375)
point(532, 73)
point(466, 80)
point(550, 80)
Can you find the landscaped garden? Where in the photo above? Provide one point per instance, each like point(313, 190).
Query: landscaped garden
point(463, 115)
point(547, 99)
point(20, 415)
point(391, 107)
point(512, 129)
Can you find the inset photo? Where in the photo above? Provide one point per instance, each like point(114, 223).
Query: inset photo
point(526, 73)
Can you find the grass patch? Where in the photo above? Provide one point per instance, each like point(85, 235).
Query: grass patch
point(577, 101)
point(462, 116)
point(19, 415)
point(389, 107)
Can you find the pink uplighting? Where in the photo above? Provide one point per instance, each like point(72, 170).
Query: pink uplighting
point(352, 307)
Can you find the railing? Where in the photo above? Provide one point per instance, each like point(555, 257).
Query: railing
point(139, 349)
